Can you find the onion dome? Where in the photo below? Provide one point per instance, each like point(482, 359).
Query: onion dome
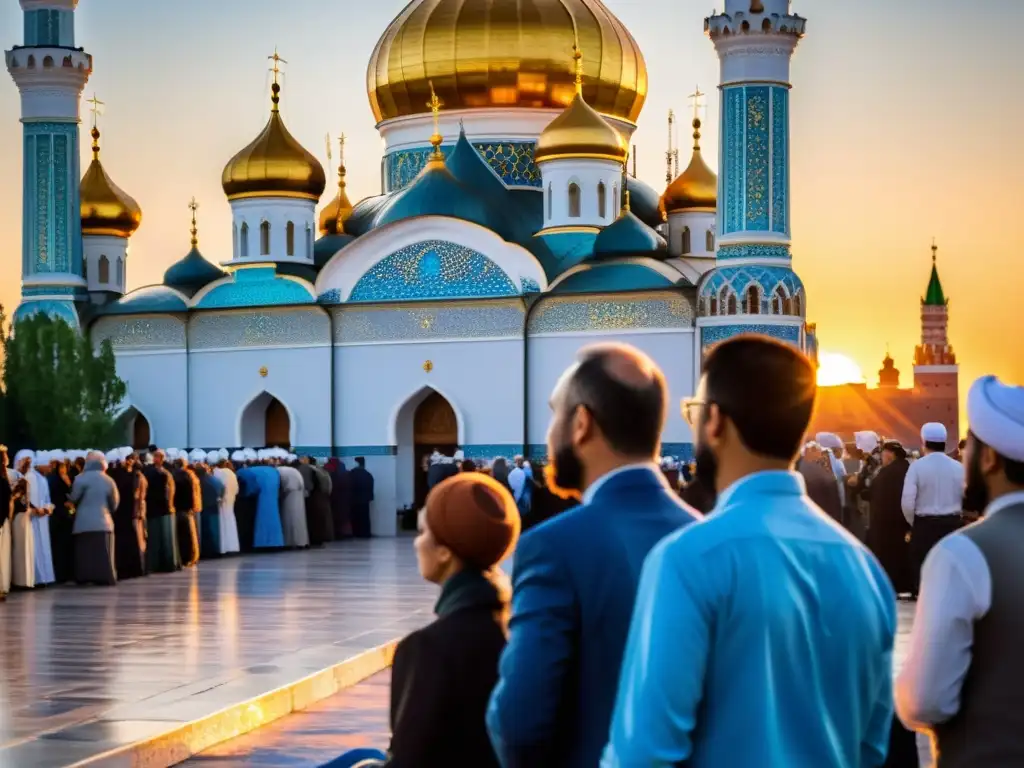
point(580, 131)
point(106, 208)
point(336, 213)
point(696, 187)
point(509, 56)
point(934, 296)
point(628, 236)
point(274, 164)
point(193, 272)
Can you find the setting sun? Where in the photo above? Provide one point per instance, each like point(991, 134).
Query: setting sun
point(834, 368)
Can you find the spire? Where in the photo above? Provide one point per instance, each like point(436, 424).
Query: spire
point(934, 296)
point(194, 206)
point(275, 88)
point(95, 108)
point(625, 204)
point(577, 58)
point(437, 138)
point(697, 106)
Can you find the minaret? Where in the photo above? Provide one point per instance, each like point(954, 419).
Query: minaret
point(934, 355)
point(755, 40)
point(50, 73)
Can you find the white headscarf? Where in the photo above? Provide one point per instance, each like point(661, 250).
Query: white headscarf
point(23, 454)
point(866, 441)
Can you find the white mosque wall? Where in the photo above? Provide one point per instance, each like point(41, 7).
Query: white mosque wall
point(660, 323)
point(261, 229)
point(596, 199)
point(149, 351)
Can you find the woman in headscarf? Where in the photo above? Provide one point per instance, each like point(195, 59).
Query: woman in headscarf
point(318, 505)
point(62, 521)
point(499, 471)
point(888, 529)
point(130, 543)
point(816, 464)
point(229, 543)
point(293, 506)
point(95, 497)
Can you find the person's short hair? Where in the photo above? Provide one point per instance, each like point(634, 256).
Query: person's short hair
point(766, 388)
point(935, 446)
point(630, 414)
point(896, 448)
point(360, 461)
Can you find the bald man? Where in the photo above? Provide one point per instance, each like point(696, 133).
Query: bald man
point(575, 576)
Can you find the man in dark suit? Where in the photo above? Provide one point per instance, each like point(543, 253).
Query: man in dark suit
point(575, 576)
point(362, 495)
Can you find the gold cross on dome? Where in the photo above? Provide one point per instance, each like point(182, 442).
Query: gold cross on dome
point(435, 107)
point(95, 108)
point(341, 147)
point(697, 106)
point(276, 69)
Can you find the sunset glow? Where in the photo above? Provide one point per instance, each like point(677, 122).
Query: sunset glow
point(835, 368)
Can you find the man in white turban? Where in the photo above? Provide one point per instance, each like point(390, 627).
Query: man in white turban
point(968, 623)
point(933, 493)
point(229, 543)
point(23, 540)
point(41, 509)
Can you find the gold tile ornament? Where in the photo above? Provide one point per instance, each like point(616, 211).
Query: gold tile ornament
point(428, 366)
point(264, 371)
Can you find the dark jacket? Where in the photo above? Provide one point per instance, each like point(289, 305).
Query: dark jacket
point(159, 492)
point(888, 531)
point(362, 486)
point(443, 675)
point(575, 580)
point(822, 487)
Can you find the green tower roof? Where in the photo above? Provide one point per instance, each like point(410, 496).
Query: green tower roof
point(934, 297)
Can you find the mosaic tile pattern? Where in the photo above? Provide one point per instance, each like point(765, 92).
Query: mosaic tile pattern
point(732, 180)
point(43, 223)
point(727, 252)
point(87, 670)
point(424, 323)
point(433, 269)
point(780, 159)
point(714, 334)
point(757, 124)
point(739, 279)
point(512, 161)
point(61, 251)
point(258, 287)
point(262, 328)
point(53, 241)
point(139, 332)
point(529, 285)
point(595, 313)
point(49, 290)
point(366, 450)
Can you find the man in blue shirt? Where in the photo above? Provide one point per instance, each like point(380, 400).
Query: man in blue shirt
point(762, 636)
point(575, 575)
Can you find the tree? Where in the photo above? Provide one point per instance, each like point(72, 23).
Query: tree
point(59, 392)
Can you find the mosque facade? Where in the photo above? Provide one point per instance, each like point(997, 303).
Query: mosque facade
point(440, 313)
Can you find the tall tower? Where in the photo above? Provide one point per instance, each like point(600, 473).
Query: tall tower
point(50, 72)
point(753, 286)
point(934, 359)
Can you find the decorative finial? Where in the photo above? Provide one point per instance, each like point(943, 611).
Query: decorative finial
point(935, 251)
point(697, 106)
point(435, 108)
point(96, 112)
point(194, 206)
point(341, 183)
point(577, 57)
point(626, 208)
point(275, 88)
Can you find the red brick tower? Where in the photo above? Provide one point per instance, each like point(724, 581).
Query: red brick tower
point(936, 373)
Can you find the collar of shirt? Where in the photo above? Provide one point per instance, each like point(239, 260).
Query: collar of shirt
point(1004, 501)
point(588, 495)
point(775, 481)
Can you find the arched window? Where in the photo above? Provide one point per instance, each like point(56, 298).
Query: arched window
point(289, 238)
point(796, 305)
point(726, 299)
point(602, 203)
point(753, 302)
point(120, 271)
point(244, 247)
point(731, 307)
point(104, 271)
point(85, 269)
point(309, 242)
point(574, 200)
point(779, 303)
point(234, 240)
point(709, 241)
point(265, 238)
point(686, 241)
point(713, 301)
point(615, 197)
point(551, 201)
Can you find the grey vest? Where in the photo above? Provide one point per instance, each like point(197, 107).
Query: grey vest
point(989, 728)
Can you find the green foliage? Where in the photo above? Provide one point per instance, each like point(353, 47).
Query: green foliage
point(57, 392)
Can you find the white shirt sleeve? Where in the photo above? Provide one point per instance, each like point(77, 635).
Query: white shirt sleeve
point(956, 591)
point(517, 481)
point(909, 499)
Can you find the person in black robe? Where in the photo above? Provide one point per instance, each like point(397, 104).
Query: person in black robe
point(129, 550)
point(245, 507)
point(319, 520)
point(341, 499)
point(162, 546)
point(362, 496)
point(888, 529)
point(816, 467)
point(187, 505)
point(62, 523)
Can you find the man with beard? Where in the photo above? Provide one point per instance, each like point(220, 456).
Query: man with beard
point(963, 680)
point(933, 494)
point(576, 575)
point(764, 635)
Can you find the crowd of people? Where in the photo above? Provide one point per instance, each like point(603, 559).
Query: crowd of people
point(95, 518)
point(637, 631)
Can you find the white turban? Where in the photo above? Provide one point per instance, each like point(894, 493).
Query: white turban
point(995, 412)
point(238, 457)
point(829, 440)
point(42, 458)
point(58, 456)
point(866, 441)
point(435, 458)
point(198, 455)
point(223, 454)
point(250, 454)
point(933, 432)
point(125, 452)
point(111, 457)
point(459, 456)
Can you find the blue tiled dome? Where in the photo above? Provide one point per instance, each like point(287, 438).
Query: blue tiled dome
point(628, 236)
point(611, 277)
point(192, 273)
point(151, 299)
point(327, 246)
point(644, 201)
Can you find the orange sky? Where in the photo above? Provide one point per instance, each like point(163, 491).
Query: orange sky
point(905, 126)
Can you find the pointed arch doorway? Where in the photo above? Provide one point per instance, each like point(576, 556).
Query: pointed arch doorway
point(435, 428)
point(265, 422)
point(134, 428)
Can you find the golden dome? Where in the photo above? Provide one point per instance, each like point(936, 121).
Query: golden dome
point(336, 213)
point(274, 164)
point(696, 187)
point(106, 208)
point(510, 54)
point(580, 131)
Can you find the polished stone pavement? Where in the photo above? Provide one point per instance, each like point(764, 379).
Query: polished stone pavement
point(358, 717)
point(86, 671)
